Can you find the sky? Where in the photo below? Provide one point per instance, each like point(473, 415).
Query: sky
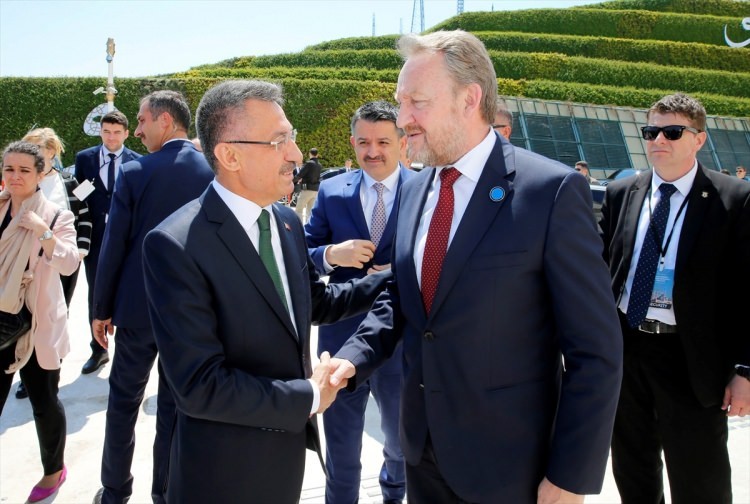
point(48, 38)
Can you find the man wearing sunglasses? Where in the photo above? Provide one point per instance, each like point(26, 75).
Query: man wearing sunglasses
point(667, 234)
point(742, 173)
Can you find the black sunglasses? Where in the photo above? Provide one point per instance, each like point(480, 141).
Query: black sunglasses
point(673, 132)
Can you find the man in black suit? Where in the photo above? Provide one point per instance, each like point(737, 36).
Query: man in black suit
point(508, 393)
point(670, 235)
point(309, 179)
point(146, 192)
point(99, 166)
point(232, 292)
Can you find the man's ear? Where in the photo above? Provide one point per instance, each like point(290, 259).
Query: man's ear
point(228, 156)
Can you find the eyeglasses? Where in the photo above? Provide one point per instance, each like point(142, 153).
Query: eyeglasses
point(280, 142)
point(495, 126)
point(578, 169)
point(671, 133)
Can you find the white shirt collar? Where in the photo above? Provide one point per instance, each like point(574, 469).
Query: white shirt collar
point(245, 210)
point(106, 152)
point(472, 163)
point(683, 184)
point(390, 182)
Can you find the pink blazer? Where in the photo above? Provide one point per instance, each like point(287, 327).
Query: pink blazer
point(44, 295)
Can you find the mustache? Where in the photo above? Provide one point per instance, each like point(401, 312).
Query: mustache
point(286, 168)
point(368, 159)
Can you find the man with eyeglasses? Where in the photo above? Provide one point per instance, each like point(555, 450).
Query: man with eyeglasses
point(232, 293)
point(309, 178)
point(668, 233)
point(147, 190)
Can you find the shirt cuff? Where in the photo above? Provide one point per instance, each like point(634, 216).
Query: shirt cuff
point(327, 267)
point(316, 397)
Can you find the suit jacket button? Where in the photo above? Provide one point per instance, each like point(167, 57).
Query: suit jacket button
point(429, 336)
point(421, 385)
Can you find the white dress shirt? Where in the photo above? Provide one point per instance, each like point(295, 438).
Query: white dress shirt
point(683, 185)
point(470, 166)
point(247, 214)
point(104, 163)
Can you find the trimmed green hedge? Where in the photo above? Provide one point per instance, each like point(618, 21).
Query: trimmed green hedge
point(637, 25)
point(709, 7)
point(319, 109)
point(617, 73)
point(662, 52)
point(550, 66)
point(273, 73)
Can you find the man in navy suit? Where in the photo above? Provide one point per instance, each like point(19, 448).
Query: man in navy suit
point(147, 191)
point(350, 231)
point(99, 166)
point(509, 391)
point(232, 292)
point(687, 362)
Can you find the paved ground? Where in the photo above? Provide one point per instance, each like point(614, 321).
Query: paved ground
point(85, 400)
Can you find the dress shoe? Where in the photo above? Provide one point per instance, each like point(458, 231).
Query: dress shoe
point(97, 360)
point(21, 392)
point(39, 494)
point(98, 496)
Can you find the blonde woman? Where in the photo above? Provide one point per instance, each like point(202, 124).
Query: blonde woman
point(37, 245)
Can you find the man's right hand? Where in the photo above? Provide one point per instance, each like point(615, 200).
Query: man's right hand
point(351, 253)
point(102, 329)
point(321, 376)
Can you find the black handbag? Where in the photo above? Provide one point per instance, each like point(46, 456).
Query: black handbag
point(15, 325)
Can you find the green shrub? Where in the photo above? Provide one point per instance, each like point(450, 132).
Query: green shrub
point(603, 23)
point(709, 7)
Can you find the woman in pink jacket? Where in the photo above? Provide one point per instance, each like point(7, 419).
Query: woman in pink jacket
point(32, 258)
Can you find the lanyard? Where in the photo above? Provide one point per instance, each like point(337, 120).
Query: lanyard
point(658, 239)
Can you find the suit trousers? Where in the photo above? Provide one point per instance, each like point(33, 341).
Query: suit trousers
point(90, 262)
point(49, 414)
point(134, 356)
point(657, 412)
point(344, 424)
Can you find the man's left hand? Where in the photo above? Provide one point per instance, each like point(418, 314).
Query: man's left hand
point(737, 397)
point(549, 493)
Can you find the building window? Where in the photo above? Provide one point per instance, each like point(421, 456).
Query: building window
point(567, 139)
point(725, 149)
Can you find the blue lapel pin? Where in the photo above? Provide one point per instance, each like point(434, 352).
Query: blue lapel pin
point(497, 193)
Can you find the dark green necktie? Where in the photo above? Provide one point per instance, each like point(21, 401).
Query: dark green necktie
point(265, 250)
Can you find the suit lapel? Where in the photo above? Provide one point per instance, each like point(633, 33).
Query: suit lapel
point(700, 197)
point(233, 236)
point(480, 213)
point(297, 289)
point(635, 198)
point(411, 203)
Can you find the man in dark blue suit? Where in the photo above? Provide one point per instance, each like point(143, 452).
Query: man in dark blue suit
point(99, 166)
point(510, 388)
point(147, 191)
point(232, 292)
point(350, 231)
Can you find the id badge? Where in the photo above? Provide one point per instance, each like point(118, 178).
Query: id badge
point(663, 285)
point(83, 190)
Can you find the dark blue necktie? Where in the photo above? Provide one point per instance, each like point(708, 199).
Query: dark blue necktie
point(645, 271)
point(111, 173)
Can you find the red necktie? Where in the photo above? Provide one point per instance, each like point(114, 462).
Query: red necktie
point(437, 237)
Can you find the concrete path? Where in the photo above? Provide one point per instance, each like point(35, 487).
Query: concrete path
point(85, 400)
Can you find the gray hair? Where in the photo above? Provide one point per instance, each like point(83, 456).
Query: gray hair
point(170, 102)
point(23, 147)
point(466, 59)
point(375, 111)
point(222, 103)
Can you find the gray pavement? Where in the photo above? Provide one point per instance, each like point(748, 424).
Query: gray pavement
point(85, 400)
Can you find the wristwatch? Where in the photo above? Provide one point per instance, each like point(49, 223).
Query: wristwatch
point(46, 235)
point(743, 371)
